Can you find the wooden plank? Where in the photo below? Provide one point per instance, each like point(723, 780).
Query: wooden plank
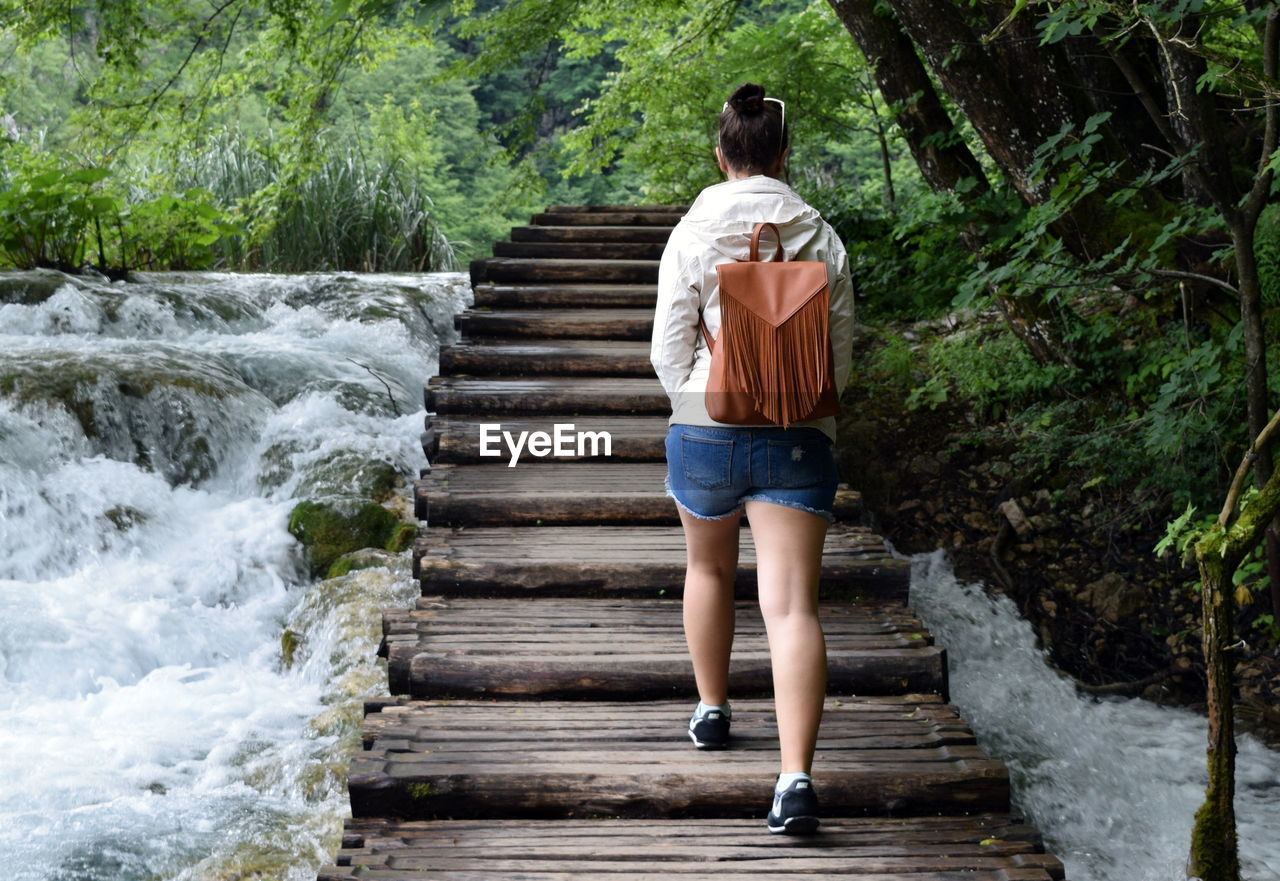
point(511, 269)
point(651, 234)
point(610, 324)
point(454, 439)
point(582, 250)
point(617, 209)
point(547, 396)
point(607, 561)
point(460, 759)
point(560, 357)
point(712, 848)
point(558, 492)
point(607, 218)
point(594, 296)
point(631, 650)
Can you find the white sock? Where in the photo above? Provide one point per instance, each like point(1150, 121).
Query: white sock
point(703, 709)
point(785, 780)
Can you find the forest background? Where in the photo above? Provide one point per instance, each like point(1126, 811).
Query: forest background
point(1060, 216)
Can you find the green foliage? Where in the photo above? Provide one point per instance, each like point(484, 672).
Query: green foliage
point(54, 213)
point(352, 212)
point(991, 371)
point(1266, 246)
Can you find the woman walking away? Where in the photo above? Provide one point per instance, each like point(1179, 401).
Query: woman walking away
point(784, 477)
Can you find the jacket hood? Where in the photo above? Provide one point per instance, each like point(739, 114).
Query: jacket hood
point(724, 215)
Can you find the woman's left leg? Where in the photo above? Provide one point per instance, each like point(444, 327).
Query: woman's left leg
point(788, 562)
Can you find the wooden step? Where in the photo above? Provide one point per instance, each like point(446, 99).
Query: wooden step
point(464, 759)
point(632, 650)
point(592, 216)
point(547, 396)
point(627, 561)
point(650, 234)
point(631, 438)
point(555, 269)
point(582, 250)
point(617, 209)
point(557, 493)
point(583, 296)
point(597, 324)
point(983, 847)
point(561, 357)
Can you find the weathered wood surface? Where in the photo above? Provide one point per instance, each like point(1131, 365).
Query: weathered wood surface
point(463, 759)
point(600, 324)
point(591, 217)
point(654, 235)
point(614, 210)
point(979, 848)
point(560, 269)
point(560, 492)
point(580, 250)
point(454, 439)
point(631, 650)
point(560, 357)
point(587, 296)
point(517, 618)
point(621, 561)
point(553, 395)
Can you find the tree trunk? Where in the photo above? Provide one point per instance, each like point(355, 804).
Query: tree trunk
point(1214, 855)
point(944, 158)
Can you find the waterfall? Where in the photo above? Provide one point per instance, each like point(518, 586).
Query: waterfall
point(177, 696)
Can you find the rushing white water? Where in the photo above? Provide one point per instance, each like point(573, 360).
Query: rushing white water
point(177, 696)
point(1112, 783)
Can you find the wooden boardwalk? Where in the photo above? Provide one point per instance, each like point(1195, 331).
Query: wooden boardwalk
point(543, 685)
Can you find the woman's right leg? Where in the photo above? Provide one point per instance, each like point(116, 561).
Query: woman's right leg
point(712, 553)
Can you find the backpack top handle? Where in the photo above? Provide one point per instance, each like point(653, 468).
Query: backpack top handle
point(779, 255)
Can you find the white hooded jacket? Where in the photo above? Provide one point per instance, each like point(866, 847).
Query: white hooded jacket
point(717, 229)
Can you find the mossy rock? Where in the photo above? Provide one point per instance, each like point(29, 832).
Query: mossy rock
point(367, 558)
point(328, 532)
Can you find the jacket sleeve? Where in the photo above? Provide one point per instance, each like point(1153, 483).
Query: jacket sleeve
point(841, 316)
point(675, 320)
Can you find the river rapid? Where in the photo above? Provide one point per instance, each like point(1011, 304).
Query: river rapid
point(177, 696)
point(1112, 783)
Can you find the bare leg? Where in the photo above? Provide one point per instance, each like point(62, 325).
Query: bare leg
point(712, 547)
point(788, 561)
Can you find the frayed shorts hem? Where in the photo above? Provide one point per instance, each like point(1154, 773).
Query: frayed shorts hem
point(737, 510)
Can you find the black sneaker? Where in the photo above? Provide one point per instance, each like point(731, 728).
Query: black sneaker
point(709, 730)
point(795, 810)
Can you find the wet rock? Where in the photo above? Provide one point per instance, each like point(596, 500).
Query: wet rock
point(1112, 598)
point(329, 531)
point(926, 465)
point(1017, 518)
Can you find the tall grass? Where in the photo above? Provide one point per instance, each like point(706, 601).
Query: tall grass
point(353, 212)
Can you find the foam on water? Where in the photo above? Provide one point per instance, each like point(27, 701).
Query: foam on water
point(1113, 783)
point(153, 439)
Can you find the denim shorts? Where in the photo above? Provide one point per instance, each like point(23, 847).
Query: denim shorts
point(711, 471)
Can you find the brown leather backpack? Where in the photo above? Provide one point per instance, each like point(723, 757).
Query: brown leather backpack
point(772, 363)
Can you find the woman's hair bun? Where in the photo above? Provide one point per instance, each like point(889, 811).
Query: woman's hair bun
point(748, 98)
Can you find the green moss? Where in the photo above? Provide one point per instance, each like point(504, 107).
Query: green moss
point(420, 791)
point(289, 642)
point(402, 537)
point(329, 532)
point(340, 567)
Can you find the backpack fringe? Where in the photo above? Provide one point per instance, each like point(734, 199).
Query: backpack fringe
point(780, 367)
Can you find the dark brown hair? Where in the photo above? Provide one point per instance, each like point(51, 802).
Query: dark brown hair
point(752, 132)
